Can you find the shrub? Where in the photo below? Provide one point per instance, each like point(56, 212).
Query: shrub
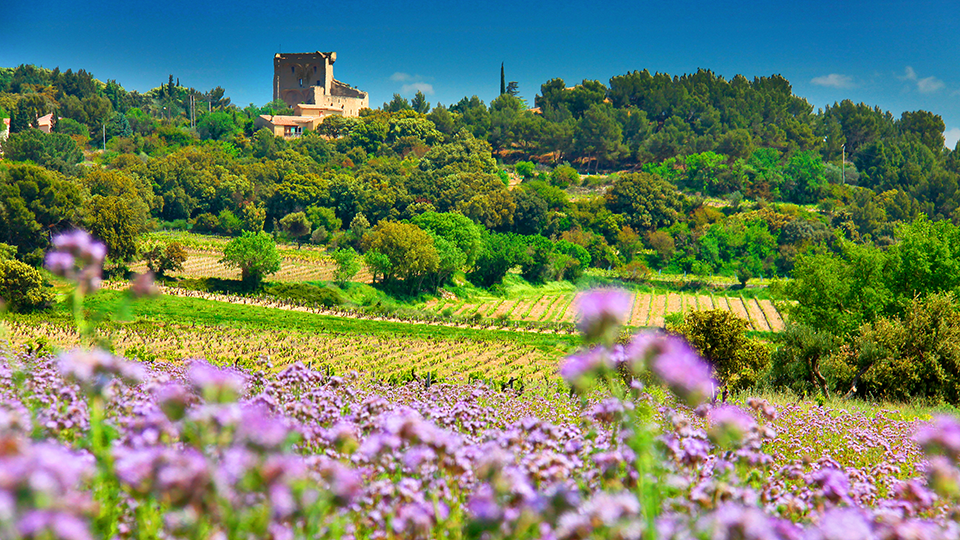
point(916, 356)
point(304, 292)
point(348, 264)
point(22, 288)
point(796, 363)
point(720, 336)
point(162, 258)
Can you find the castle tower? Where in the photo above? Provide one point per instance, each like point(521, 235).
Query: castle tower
point(298, 76)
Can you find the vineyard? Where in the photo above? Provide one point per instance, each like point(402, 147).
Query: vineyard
point(378, 357)
point(545, 309)
point(649, 309)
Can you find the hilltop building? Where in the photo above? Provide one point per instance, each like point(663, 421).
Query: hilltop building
point(305, 82)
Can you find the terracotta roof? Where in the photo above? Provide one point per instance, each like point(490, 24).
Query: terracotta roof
point(287, 120)
point(45, 120)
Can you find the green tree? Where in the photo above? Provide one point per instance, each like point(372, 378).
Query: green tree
point(162, 257)
point(646, 201)
point(409, 250)
point(397, 104)
point(348, 264)
point(598, 135)
point(720, 337)
point(52, 150)
point(455, 228)
point(118, 126)
point(218, 126)
point(255, 254)
point(839, 293)
point(420, 103)
point(803, 177)
point(295, 225)
point(118, 222)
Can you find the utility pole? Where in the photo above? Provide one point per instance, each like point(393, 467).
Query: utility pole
point(104, 137)
point(843, 165)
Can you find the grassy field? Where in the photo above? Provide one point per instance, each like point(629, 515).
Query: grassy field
point(171, 328)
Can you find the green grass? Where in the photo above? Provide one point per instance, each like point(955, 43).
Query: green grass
point(173, 309)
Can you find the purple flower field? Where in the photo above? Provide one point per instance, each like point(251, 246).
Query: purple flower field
point(95, 446)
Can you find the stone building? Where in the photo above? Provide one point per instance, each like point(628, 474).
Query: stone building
point(307, 78)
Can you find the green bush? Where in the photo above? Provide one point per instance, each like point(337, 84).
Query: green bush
point(720, 337)
point(913, 357)
point(304, 292)
point(22, 287)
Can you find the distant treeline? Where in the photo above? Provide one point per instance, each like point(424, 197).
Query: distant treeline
point(714, 176)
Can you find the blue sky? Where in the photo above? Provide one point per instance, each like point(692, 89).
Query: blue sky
point(899, 55)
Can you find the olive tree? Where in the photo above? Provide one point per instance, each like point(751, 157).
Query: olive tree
point(255, 254)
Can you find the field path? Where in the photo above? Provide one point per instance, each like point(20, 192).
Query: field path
point(773, 317)
point(657, 311)
point(756, 315)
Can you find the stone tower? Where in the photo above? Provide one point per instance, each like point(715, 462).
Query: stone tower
point(307, 78)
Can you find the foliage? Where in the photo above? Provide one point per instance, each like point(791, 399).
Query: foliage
point(255, 254)
point(22, 288)
point(55, 151)
point(118, 222)
point(348, 264)
point(409, 251)
point(295, 225)
point(163, 257)
point(798, 359)
point(916, 357)
point(646, 201)
point(720, 337)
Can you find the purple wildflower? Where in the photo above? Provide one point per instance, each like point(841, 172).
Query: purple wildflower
point(94, 369)
point(47, 524)
point(675, 362)
point(941, 437)
point(602, 311)
point(214, 384)
point(143, 285)
point(174, 399)
point(581, 366)
point(729, 426)
point(834, 485)
point(81, 245)
point(842, 524)
point(77, 256)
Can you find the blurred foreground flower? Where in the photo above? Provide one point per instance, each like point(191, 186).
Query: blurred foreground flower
point(214, 384)
point(676, 363)
point(729, 426)
point(79, 257)
point(93, 369)
point(602, 312)
point(143, 285)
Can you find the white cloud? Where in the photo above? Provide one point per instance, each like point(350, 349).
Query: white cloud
point(400, 77)
point(908, 74)
point(929, 85)
point(411, 88)
point(952, 135)
point(926, 85)
point(834, 80)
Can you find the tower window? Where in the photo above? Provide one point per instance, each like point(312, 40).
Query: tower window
point(301, 83)
point(292, 70)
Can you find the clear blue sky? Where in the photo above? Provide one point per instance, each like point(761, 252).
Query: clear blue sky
point(900, 55)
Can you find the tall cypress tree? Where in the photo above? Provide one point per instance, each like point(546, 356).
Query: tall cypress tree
point(503, 83)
